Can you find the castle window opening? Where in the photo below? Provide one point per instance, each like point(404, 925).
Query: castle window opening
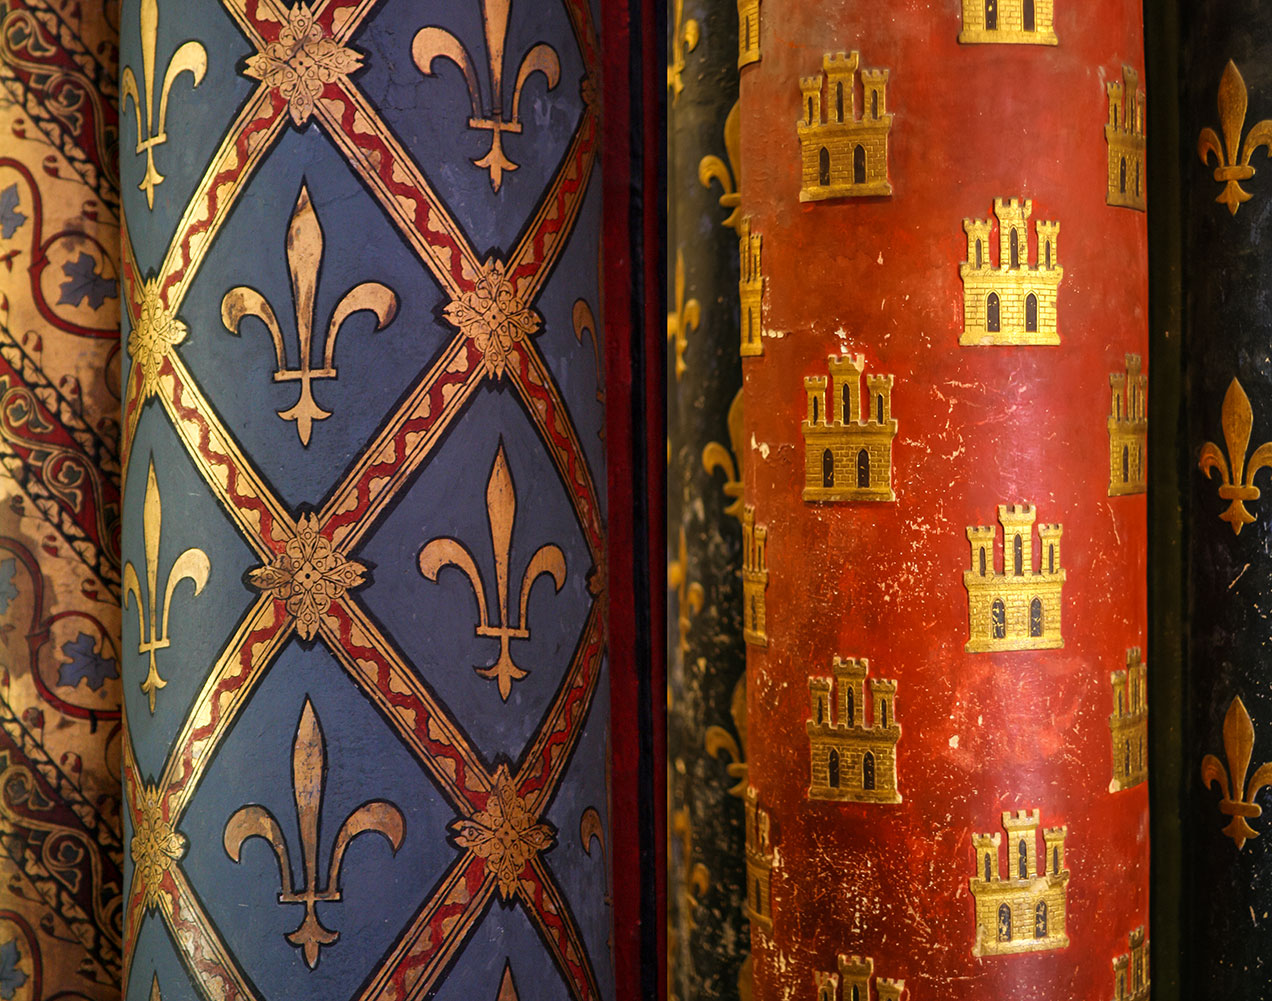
point(874, 104)
point(884, 714)
point(758, 898)
point(823, 167)
point(1055, 860)
point(1126, 464)
point(1022, 860)
point(856, 993)
point(987, 871)
point(998, 617)
point(1137, 182)
point(991, 23)
point(1040, 920)
point(821, 712)
point(980, 255)
point(859, 164)
point(1004, 923)
point(1051, 559)
point(1115, 117)
point(810, 111)
point(754, 617)
point(1121, 985)
point(1018, 555)
point(863, 469)
point(851, 709)
point(828, 468)
point(1015, 248)
point(816, 409)
point(1028, 15)
point(832, 766)
point(1141, 752)
point(1139, 976)
point(845, 405)
point(868, 771)
point(1031, 313)
point(1123, 184)
point(1126, 764)
point(839, 101)
point(1120, 710)
point(1035, 618)
point(991, 313)
point(1048, 255)
point(879, 409)
point(982, 561)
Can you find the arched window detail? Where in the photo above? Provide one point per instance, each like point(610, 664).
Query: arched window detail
point(879, 408)
point(839, 101)
point(868, 771)
point(991, 15)
point(863, 469)
point(883, 713)
point(1040, 920)
point(1028, 15)
point(1018, 555)
point(1123, 177)
point(1035, 618)
point(991, 313)
point(845, 405)
point(859, 165)
point(850, 707)
point(1126, 464)
point(1055, 859)
point(1015, 249)
point(823, 167)
point(1004, 923)
point(874, 104)
point(828, 468)
point(1022, 860)
point(982, 561)
point(987, 868)
point(1031, 313)
point(998, 619)
point(1051, 559)
point(832, 767)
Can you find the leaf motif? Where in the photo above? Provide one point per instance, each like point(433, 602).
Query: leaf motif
point(1238, 742)
point(1237, 418)
point(1232, 108)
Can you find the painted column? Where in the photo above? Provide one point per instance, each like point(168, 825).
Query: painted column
point(61, 878)
point(944, 339)
point(706, 699)
point(364, 636)
point(1225, 126)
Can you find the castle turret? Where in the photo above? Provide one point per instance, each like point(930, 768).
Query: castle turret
point(1048, 244)
point(841, 101)
point(874, 85)
point(1013, 234)
point(815, 387)
point(879, 403)
point(977, 243)
point(1128, 429)
point(982, 539)
point(854, 976)
point(986, 846)
point(1017, 521)
point(759, 863)
point(755, 579)
point(850, 681)
point(827, 985)
point(748, 32)
point(1124, 135)
point(1053, 838)
point(750, 290)
point(1128, 722)
point(846, 371)
point(1022, 843)
point(1049, 537)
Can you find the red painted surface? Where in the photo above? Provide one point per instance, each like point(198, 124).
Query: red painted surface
point(979, 426)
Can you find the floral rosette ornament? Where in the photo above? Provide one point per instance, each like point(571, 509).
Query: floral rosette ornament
point(155, 846)
point(493, 317)
point(506, 834)
point(301, 62)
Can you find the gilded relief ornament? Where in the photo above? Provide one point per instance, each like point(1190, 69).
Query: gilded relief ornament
point(191, 57)
point(689, 594)
point(152, 337)
point(718, 739)
point(684, 318)
point(846, 457)
point(1237, 418)
point(844, 149)
point(501, 511)
point(506, 834)
point(713, 168)
point(684, 37)
point(433, 43)
point(493, 317)
point(850, 759)
point(1238, 795)
point(755, 579)
point(1232, 156)
point(1124, 136)
point(717, 458)
point(1128, 723)
point(309, 771)
point(304, 261)
point(1131, 972)
point(1013, 22)
point(759, 862)
point(1025, 907)
point(751, 290)
point(152, 626)
point(308, 575)
point(1128, 430)
point(301, 62)
point(155, 845)
point(748, 32)
point(853, 981)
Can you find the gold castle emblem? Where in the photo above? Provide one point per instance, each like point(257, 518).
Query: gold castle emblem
point(1131, 980)
point(851, 759)
point(843, 149)
point(846, 457)
point(1017, 608)
point(855, 981)
point(751, 291)
point(1014, 302)
point(755, 578)
point(1124, 134)
point(1128, 430)
point(1023, 909)
point(1018, 22)
point(1128, 723)
point(759, 862)
point(748, 32)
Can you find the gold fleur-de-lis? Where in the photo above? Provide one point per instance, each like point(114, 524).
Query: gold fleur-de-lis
point(501, 511)
point(686, 317)
point(684, 38)
point(192, 565)
point(309, 769)
point(695, 877)
point(716, 457)
point(190, 57)
point(434, 43)
point(718, 739)
point(1230, 168)
point(304, 259)
point(585, 323)
point(1238, 800)
point(689, 594)
point(712, 168)
point(1237, 419)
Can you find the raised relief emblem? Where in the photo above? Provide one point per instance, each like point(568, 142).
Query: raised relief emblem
point(1008, 22)
point(1232, 156)
point(1022, 908)
point(848, 456)
point(843, 148)
point(854, 980)
point(1128, 430)
point(1236, 477)
point(1238, 794)
point(1124, 136)
point(850, 758)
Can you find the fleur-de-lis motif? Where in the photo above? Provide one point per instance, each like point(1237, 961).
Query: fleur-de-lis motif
point(712, 168)
point(716, 457)
point(190, 57)
point(1237, 420)
point(1238, 800)
point(501, 511)
point(695, 877)
point(1230, 168)
point(304, 259)
point(718, 739)
point(309, 767)
point(585, 323)
point(683, 39)
point(192, 565)
point(689, 595)
point(434, 43)
point(686, 317)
